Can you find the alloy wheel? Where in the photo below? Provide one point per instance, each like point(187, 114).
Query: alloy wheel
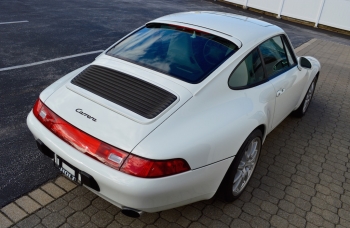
point(309, 96)
point(246, 166)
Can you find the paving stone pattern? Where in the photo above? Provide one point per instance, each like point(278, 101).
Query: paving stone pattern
point(21, 211)
point(302, 178)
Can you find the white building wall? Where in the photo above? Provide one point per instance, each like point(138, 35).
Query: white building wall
point(301, 9)
point(271, 6)
point(334, 13)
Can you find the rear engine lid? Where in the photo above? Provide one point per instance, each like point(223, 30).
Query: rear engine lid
point(123, 118)
point(132, 93)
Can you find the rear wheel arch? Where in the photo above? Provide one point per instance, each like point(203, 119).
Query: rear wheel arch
point(262, 128)
point(225, 187)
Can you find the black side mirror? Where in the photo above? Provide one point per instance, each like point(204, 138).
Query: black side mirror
point(305, 63)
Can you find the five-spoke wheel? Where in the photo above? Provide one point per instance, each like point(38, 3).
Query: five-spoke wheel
point(242, 167)
point(301, 110)
point(246, 166)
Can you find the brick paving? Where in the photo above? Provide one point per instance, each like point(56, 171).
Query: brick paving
point(302, 178)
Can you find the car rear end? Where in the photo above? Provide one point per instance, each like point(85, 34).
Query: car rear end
point(91, 121)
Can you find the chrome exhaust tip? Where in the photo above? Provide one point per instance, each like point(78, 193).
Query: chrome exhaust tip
point(130, 212)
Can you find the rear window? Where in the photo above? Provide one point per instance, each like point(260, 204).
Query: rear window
point(187, 54)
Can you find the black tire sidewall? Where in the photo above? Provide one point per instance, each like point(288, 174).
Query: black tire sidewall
point(299, 112)
point(227, 183)
point(312, 95)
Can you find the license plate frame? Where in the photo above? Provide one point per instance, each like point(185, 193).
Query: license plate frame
point(67, 169)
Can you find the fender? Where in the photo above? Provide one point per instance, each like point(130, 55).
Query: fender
point(311, 74)
point(208, 128)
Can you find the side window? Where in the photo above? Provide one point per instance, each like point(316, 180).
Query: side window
point(291, 58)
point(250, 71)
point(274, 55)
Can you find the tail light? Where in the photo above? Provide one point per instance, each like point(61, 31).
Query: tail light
point(103, 152)
point(143, 167)
point(78, 139)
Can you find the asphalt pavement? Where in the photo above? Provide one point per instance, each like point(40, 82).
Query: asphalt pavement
point(57, 29)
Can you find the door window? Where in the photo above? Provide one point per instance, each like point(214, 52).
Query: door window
point(290, 54)
point(248, 73)
point(274, 55)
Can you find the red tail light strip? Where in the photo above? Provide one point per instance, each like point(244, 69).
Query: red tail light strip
point(105, 153)
point(76, 138)
point(142, 167)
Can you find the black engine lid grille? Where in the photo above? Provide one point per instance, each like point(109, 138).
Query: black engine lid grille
point(132, 93)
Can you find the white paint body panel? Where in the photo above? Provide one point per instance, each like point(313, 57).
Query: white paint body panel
point(206, 125)
point(149, 195)
point(212, 125)
point(292, 84)
point(115, 125)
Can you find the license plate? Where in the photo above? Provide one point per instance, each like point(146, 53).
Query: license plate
point(67, 169)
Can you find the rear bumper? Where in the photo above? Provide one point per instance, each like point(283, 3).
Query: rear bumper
point(123, 190)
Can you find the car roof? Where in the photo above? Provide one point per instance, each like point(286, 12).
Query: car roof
point(243, 28)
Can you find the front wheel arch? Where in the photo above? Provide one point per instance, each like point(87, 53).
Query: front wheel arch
point(300, 112)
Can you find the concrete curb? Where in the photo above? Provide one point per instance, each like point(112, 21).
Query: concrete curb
point(301, 47)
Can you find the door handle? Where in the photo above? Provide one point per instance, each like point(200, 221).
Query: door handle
point(279, 92)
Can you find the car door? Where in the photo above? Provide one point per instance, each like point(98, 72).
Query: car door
point(249, 79)
point(282, 71)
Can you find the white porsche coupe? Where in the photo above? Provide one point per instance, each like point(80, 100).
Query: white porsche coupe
point(175, 110)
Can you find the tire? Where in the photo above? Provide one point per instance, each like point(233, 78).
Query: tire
point(239, 170)
point(301, 110)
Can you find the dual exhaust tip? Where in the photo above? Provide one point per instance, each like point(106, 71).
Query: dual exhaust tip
point(130, 212)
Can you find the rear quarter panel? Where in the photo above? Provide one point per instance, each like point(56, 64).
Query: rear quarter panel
point(212, 125)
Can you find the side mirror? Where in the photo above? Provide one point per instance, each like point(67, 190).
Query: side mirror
point(304, 63)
